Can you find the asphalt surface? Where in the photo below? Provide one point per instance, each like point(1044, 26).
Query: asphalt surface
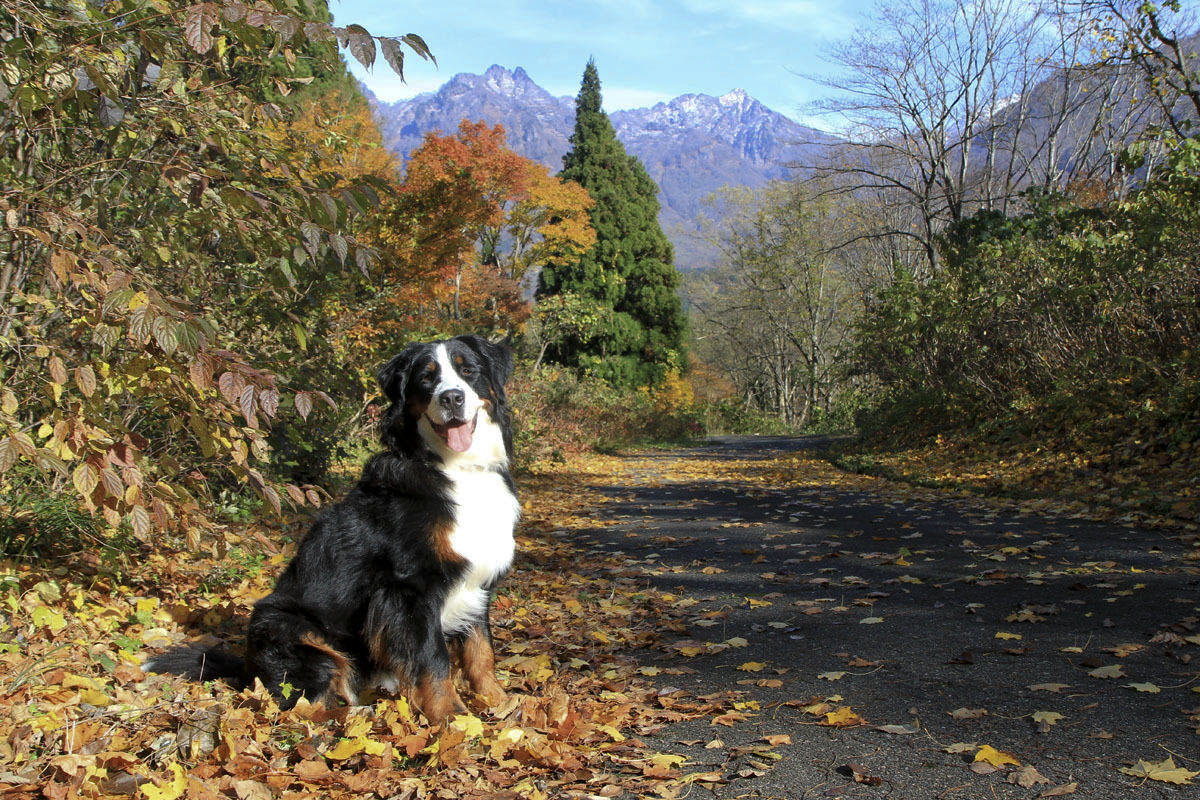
point(816, 582)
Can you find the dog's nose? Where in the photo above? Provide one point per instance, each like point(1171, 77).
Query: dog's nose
point(453, 399)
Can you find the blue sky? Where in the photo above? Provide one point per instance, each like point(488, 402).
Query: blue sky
point(646, 50)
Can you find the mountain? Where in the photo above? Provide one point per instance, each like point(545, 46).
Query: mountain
point(696, 143)
point(691, 146)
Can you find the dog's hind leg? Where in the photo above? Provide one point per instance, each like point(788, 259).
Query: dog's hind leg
point(293, 659)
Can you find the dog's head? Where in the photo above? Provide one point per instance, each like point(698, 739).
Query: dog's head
point(441, 390)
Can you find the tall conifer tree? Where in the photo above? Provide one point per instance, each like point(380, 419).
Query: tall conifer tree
point(629, 274)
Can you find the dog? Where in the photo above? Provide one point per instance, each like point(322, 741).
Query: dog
point(394, 584)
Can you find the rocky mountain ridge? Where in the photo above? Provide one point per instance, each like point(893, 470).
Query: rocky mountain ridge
point(692, 145)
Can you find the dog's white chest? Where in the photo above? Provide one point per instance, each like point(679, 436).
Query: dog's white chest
point(483, 536)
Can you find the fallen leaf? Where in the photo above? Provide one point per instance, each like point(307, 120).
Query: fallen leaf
point(1111, 671)
point(1144, 687)
point(968, 713)
point(253, 790)
point(997, 758)
point(752, 666)
point(842, 718)
point(831, 676)
point(860, 774)
point(900, 730)
point(1164, 771)
point(870, 620)
point(1059, 791)
point(1027, 777)
point(1049, 687)
point(168, 791)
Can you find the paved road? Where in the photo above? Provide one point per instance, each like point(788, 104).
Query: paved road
point(941, 613)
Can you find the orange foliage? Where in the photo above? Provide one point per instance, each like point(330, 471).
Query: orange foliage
point(460, 239)
point(336, 133)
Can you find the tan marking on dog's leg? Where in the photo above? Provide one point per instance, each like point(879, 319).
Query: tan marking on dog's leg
point(341, 685)
point(436, 699)
point(479, 667)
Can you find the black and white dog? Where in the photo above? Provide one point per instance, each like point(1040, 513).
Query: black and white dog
point(395, 582)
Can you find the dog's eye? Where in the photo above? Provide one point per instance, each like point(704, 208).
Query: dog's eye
point(466, 371)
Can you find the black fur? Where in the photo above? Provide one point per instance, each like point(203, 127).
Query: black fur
point(365, 592)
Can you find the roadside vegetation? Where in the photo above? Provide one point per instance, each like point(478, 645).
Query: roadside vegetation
point(994, 279)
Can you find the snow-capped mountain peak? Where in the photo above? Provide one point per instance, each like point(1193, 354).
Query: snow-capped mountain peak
point(691, 146)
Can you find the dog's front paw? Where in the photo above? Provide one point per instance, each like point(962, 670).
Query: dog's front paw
point(488, 697)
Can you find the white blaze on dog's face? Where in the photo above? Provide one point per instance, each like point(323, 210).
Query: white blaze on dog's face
point(456, 421)
point(455, 405)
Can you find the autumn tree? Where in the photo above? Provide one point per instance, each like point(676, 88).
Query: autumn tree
point(628, 273)
point(470, 223)
point(156, 237)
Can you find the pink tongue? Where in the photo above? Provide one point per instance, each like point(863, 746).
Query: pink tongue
point(459, 437)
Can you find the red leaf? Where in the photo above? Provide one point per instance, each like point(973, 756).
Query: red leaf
point(85, 379)
point(268, 401)
point(139, 520)
point(272, 497)
point(198, 24)
point(58, 372)
point(231, 385)
point(246, 403)
point(112, 483)
point(296, 494)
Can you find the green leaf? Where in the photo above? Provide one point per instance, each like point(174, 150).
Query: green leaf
point(418, 45)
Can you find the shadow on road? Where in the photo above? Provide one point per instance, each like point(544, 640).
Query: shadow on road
point(951, 615)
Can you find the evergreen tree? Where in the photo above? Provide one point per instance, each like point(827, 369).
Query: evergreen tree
point(628, 276)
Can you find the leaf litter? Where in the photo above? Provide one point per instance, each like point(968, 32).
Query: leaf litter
point(582, 715)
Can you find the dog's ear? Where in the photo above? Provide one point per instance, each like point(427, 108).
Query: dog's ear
point(393, 376)
point(498, 355)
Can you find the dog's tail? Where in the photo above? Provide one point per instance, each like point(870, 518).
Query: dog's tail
point(200, 664)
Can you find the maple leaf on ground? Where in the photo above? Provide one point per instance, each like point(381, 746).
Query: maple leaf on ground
point(1164, 771)
point(1049, 687)
point(1143, 687)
